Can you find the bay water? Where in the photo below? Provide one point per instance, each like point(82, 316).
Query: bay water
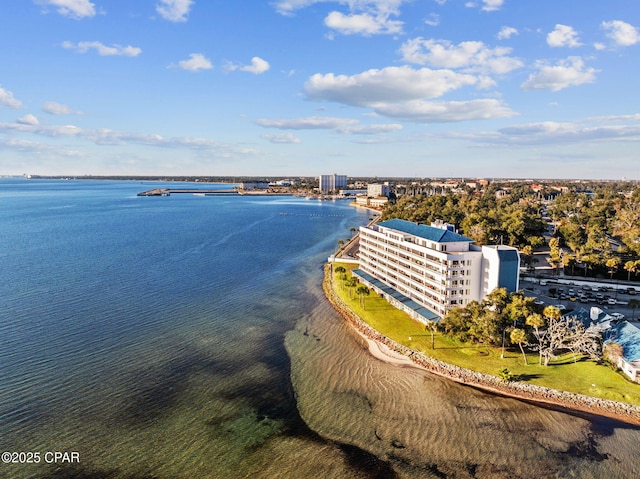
point(188, 337)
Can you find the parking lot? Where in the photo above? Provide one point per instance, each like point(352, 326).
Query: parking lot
point(568, 296)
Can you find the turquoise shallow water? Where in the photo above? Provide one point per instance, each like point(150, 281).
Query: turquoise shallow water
point(187, 337)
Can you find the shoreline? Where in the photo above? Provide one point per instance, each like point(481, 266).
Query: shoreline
point(388, 350)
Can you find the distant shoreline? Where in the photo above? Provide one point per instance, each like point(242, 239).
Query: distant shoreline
point(390, 351)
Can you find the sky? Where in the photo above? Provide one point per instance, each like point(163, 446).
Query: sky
point(391, 88)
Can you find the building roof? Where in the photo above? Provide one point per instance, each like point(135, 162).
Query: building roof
point(423, 311)
point(628, 336)
point(423, 231)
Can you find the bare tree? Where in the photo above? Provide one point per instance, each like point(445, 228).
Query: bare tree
point(567, 333)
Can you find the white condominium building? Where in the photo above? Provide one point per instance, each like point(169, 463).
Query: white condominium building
point(378, 189)
point(418, 266)
point(332, 182)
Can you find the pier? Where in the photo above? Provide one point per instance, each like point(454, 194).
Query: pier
point(203, 192)
point(170, 191)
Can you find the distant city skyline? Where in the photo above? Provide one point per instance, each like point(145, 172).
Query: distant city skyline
point(388, 88)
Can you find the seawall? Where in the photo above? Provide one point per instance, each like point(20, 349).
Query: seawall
point(528, 392)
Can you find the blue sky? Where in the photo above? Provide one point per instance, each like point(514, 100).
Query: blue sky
point(428, 88)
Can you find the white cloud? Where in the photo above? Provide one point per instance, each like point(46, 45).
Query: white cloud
point(390, 84)
point(76, 9)
point(7, 99)
point(507, 32)
point(487, 5)
point(28, 120)
point(622, 33)
point(340, 125)
point(363, 24)
point(472, 56)
point(568, 72)
point(599, 46)
point(433, 20)
point(54, 108)
point(555, 132)
point(376, 129)
point(32, 147)
point(633, 117)
point(105, 136)
point(174, 10)
point(103, 50)
point(563, 36)
point(492, 5)
point(446, 111)
point(308, 123)
point(365, 17)
point(288, 7)
point(282, 138)
point(403, 93)
point(257, 67)
point(196, 62)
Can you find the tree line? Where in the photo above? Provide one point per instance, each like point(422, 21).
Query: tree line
point(512, 317)
point(596, 225)
point(513, 219)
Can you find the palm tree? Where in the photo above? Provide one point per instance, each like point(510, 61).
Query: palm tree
point(537, 321)
point(350, 283)
point(631, 267)
point(569, 261)
point(433, 327)
point(352, 230)
point(633, 304)
point(519, 336)
point(612, 264)
point(340, 269)
point(362, 291)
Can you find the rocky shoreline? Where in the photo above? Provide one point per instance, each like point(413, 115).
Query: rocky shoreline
point(537, 394)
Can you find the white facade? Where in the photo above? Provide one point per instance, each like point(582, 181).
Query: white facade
point(433, 266)
point(376, 202)
point(332, 182)
point(378, 189)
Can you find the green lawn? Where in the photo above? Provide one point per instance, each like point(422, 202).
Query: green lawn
point(584, 377)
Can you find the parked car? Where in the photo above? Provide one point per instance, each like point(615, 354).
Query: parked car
point(617, 316)
point(632, 291)
point(611, 301)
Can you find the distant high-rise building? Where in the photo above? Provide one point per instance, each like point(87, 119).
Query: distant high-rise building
point(331, 182)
